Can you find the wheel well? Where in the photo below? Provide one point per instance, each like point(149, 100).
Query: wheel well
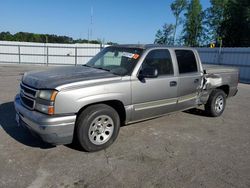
point(116, 104)
point(224, 88)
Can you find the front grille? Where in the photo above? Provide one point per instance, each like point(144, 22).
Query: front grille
point(27, 102)
point(28, 90)
point(27, 96)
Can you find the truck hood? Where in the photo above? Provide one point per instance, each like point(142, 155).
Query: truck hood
point(55, 77)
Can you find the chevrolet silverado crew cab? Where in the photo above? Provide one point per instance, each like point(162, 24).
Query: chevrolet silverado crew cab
point(120, 85)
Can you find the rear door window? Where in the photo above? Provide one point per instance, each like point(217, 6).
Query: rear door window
point(186, 61)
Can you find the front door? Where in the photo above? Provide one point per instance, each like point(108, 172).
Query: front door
point(155, 96)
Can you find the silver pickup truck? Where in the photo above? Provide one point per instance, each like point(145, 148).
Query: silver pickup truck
point(122, 84)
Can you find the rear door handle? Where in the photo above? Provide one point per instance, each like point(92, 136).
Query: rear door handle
point(173, 83)
point(196, 81)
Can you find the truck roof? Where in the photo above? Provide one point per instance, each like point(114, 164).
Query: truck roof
point(147, 46)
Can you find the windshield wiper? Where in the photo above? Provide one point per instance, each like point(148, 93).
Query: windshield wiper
point(108, 70)
point(86, 65)
point(101, 68)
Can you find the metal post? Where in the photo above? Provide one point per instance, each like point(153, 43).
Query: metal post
point(101, 46)
point(220, 50)
point(219, 56)
point(75, 55)
point(19, 54)
point(47, 55)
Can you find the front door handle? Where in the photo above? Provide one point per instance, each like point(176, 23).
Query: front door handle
point(173, 83)
point(196, 81)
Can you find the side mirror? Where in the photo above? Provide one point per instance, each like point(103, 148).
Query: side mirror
point(148, 72)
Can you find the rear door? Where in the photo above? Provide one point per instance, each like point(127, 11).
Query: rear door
point(190, 77)
point(155, 96)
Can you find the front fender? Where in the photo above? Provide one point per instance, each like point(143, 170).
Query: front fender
point(99, 98)
point(71, 101)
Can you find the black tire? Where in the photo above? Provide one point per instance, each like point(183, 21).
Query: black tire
point(216, 103)
point(85, 126)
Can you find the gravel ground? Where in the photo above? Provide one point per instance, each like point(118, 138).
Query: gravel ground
point(186, 149)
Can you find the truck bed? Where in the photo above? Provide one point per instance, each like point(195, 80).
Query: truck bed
point(225, 76)
point(213, 69)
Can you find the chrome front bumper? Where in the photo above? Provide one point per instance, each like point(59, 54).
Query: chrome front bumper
point(52, 129)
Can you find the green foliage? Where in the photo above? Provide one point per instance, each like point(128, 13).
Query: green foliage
point(42, 38)
point(165, 35)
point(111, 43)
point(213, 18)
point(193, 24)
point(235, 27)
point(177, 7)
point(6, 36)
point(159, 38)
point(228, 20)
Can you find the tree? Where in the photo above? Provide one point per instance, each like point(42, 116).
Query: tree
point(32, 37)
point(6, 36)
point(177, 7)
point(214, 16)
point(165, 36)
point(111, 43)
point(235, 28)
point(159, 37)
point(193, 24)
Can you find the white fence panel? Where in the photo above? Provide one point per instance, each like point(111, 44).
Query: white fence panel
point(72, 54)
point(41, 53)
point(236, 57)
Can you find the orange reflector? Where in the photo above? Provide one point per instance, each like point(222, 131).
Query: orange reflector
point(135, 56)
point(51, 110)
point(53, 96)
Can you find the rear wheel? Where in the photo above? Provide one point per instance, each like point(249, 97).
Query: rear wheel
point(216, 103)
point(97, 127)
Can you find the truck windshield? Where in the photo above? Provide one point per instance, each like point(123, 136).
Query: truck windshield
point(119, 61)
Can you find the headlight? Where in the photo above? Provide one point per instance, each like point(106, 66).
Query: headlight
point(45, 101)
point(49, 95)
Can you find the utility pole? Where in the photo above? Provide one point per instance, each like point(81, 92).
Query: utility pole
point(47, 50)
point(91, 22)
point(90, 28)
point(88, 35)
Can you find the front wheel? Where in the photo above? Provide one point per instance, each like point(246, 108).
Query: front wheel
point(97, 127)
point(216, 103)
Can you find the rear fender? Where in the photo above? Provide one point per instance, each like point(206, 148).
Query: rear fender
point(212, 81)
